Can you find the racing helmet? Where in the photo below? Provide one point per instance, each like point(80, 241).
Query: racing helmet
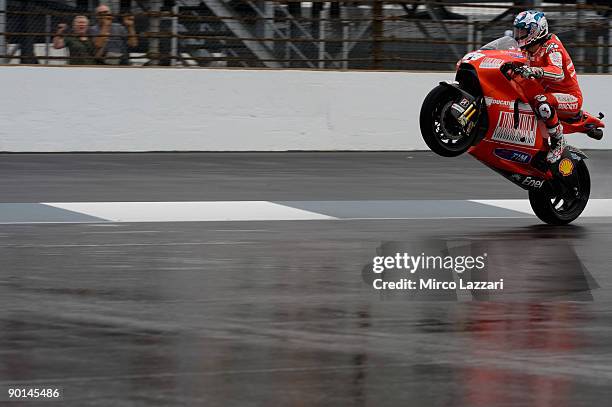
point(529, 27)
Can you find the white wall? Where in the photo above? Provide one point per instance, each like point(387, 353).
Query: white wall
point(114, 109)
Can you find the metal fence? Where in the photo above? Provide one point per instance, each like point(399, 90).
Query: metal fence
point(359, 34)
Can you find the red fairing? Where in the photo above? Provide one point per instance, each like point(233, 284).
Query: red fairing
point(500, 95)
point(497, 110)
point(514, 138)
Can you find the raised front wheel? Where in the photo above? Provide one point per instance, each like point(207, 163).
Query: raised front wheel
point(440, 130)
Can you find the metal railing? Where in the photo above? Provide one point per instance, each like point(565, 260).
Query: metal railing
point(361, 34)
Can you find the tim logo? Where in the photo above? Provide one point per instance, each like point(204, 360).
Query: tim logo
point(512, 155)
point(523, 135)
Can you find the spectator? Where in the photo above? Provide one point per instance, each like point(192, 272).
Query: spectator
point(112, 40)
point(81, 47)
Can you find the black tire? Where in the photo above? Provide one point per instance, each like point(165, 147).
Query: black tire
point(543, 202)
point(441, 132)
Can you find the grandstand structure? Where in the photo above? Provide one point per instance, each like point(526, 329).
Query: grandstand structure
point(359, 34)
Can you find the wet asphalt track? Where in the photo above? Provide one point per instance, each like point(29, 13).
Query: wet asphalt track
point(278, 313)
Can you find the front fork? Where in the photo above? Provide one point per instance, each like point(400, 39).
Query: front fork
point(466, 109)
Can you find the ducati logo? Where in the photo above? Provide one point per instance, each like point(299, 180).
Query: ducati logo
point(568, 106)
point(566, 167)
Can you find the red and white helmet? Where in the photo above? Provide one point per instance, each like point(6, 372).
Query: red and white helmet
point(529, 27)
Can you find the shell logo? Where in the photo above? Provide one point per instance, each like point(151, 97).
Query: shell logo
point(566, 167)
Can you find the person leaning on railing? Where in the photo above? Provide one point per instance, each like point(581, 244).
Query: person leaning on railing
point(111, 39)
point(81, 47)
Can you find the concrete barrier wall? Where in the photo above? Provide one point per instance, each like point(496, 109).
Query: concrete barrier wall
point(110, 109)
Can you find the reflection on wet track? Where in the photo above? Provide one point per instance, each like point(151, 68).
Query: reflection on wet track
point(279, 314)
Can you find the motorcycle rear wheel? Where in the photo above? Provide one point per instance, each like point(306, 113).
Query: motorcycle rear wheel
point(555, 210)
point(440, 131)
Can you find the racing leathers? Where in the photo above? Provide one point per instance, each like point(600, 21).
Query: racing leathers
point(559, 94)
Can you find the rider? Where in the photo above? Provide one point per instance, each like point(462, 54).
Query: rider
point(549, 63)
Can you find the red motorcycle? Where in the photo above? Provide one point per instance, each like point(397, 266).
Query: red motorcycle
point(485, 112)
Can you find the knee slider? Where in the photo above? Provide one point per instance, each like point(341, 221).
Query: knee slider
point(544, 110)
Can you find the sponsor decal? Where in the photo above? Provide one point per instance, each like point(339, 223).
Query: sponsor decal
point(512, 155)
point(464, 102)
point(565, 98)
point(507, 103)
point(533, 182)
point(472, 56)
point(568, 106)
point(491, 63)
point(566, 101)
point(566, 167)
point(529, 182)
point(557, 59)
point(524, 134)
point(515, 55)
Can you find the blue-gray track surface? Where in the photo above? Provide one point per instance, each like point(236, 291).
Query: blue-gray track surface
point(277, 313)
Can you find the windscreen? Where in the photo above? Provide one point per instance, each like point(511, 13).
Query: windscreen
point(504, 42)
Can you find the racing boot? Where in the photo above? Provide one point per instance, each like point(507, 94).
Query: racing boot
point(557, 143)
point(596, 134)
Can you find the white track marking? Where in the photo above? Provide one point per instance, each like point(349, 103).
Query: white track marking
point(188, 211)
point(595, 208)
point(112, 212)
point(518, 205)
point(598, 207)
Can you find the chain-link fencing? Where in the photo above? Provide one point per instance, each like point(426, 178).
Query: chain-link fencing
point(359, 34)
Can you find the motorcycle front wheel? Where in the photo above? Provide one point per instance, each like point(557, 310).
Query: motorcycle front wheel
point(440, 130)
point(558, 210)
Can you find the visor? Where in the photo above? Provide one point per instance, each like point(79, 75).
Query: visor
point(520, 33)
